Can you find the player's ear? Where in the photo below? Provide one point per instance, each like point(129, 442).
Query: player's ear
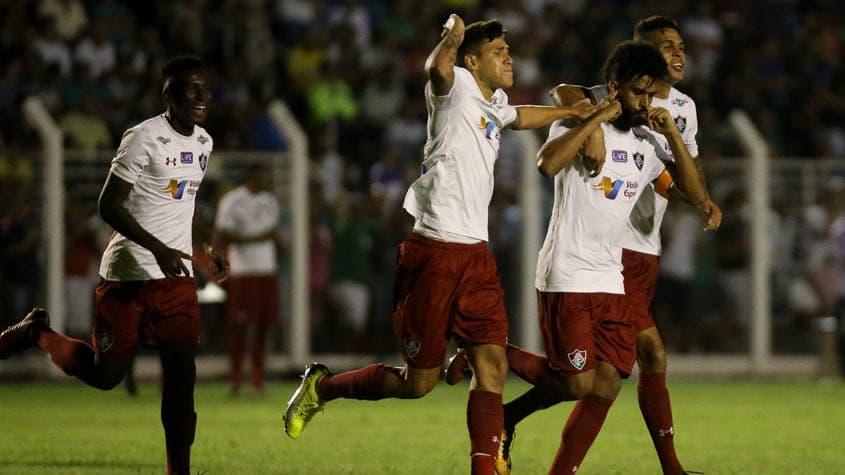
point(165, 92)
point(471, 61)
point(613, 86)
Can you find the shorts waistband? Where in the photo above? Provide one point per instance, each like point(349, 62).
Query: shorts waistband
point(412, 236)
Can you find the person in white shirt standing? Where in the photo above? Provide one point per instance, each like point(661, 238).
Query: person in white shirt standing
point(446, 282)
point(246, 222)
point(147, 294)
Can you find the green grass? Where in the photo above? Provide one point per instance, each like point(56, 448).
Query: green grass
point(721, 428)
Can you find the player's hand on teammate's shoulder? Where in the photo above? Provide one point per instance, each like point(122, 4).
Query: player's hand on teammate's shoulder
point(171, 261)
point(610, 108)
point(455, 26)
point(712, 215)
point(583, 109)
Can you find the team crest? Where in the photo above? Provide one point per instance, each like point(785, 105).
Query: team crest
point(163, 140)
point(203, 159)
point(638, 160)
point(681, 123)
point(104, 341)
point(578, 359)
point(202, 139)
point(412, 347)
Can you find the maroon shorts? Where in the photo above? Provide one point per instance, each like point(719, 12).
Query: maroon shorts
point(148, 312)
point(581, 328)
point(640, 272)
point(252, 299)
point(443, 289)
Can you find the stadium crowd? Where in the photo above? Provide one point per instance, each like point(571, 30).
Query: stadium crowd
point(351, 71)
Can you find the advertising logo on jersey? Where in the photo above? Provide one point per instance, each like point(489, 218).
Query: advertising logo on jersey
point(681, 123)
point(178, 189)
point(186, 158)
point(163, 140)
point(619, 156)
point(609, 187)
point(488, 127)
point(202, 139)
point(679, 102)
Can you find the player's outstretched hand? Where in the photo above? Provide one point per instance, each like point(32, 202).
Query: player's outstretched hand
point(454, 26)
point(219, 263)
point(171, 261)
point(583, 109)
point(712, 215)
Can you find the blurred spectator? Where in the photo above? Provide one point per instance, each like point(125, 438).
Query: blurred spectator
point(84, 129)
point(96, 52)
point(68, 17)
point(82, 253)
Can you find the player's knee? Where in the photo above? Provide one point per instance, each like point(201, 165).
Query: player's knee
point(651, 356)
point(576, 388)
point(419, 388)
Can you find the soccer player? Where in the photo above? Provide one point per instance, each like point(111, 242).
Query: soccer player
point(246, 221)
point(146, 294)
point(446, 282)
point(641, 244)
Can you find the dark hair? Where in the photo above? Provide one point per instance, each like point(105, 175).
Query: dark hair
point(634, 59)
point(476, 34)
point(653, 23)
point(180, 64)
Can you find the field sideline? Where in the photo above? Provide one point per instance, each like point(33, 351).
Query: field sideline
point(721, 428)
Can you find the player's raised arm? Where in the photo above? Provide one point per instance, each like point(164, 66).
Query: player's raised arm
point(441, 61)
point(593, 150)
point(560, 151)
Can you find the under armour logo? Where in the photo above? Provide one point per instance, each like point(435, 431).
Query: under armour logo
point(170, 161)
point(665, 432)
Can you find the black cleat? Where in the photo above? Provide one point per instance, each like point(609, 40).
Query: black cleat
point(24, 334)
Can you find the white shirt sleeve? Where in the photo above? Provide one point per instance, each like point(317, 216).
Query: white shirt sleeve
point(134, 154)
point(691, 131)
point(451, 98)
point(225, 217)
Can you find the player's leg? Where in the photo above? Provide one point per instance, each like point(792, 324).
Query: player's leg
point(484, 406)
point(175, 327)
point(235, 347)
point(653, 397)
point(104, 364)
point(586, 419)
point(259, 350)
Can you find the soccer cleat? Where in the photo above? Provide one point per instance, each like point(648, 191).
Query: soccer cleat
point(458, 368)
point(305, 402)
point(24, 334)
point(503, 458)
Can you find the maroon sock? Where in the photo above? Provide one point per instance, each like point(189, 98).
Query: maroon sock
point(177, 407)
point(531, 367)
point(366, 383)
point(237, 343)
point(657, 413)
point(484, 421)
point(580, 431)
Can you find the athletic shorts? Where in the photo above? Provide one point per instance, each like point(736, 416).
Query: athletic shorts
point(147, 312)
point(580, 328)
point(442, 290)
point(640, 272)
point(252, 299)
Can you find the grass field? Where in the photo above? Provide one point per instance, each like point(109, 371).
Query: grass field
point(722, 428)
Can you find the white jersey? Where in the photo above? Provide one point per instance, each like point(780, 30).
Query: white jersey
point(682, 109)
point(250, 214)
point(452, 196)
point(165, 169)
point(582, 251)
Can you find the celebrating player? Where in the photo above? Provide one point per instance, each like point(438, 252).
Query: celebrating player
point(446, 282)
point(146, 294)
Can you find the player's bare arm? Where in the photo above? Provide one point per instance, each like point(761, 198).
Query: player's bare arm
point(561, 151)
point(441, 61)
point(114, 213)
point(214, 247)
point(532, 117)
point(685, 172)
point(593, 151)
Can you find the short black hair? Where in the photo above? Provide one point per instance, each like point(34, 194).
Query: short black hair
point(476, 34)
point(180, 64)
point(633, 59)
point(654, 23)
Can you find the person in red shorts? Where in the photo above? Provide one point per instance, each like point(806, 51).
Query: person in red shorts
point(246, 223)
point(446, 284)
point(146, 295)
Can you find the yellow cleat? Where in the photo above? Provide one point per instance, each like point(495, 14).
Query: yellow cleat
point(305, 402)
point(503, 459)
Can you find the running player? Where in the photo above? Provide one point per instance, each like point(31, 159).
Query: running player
point(146, 294)
point(446, 282)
